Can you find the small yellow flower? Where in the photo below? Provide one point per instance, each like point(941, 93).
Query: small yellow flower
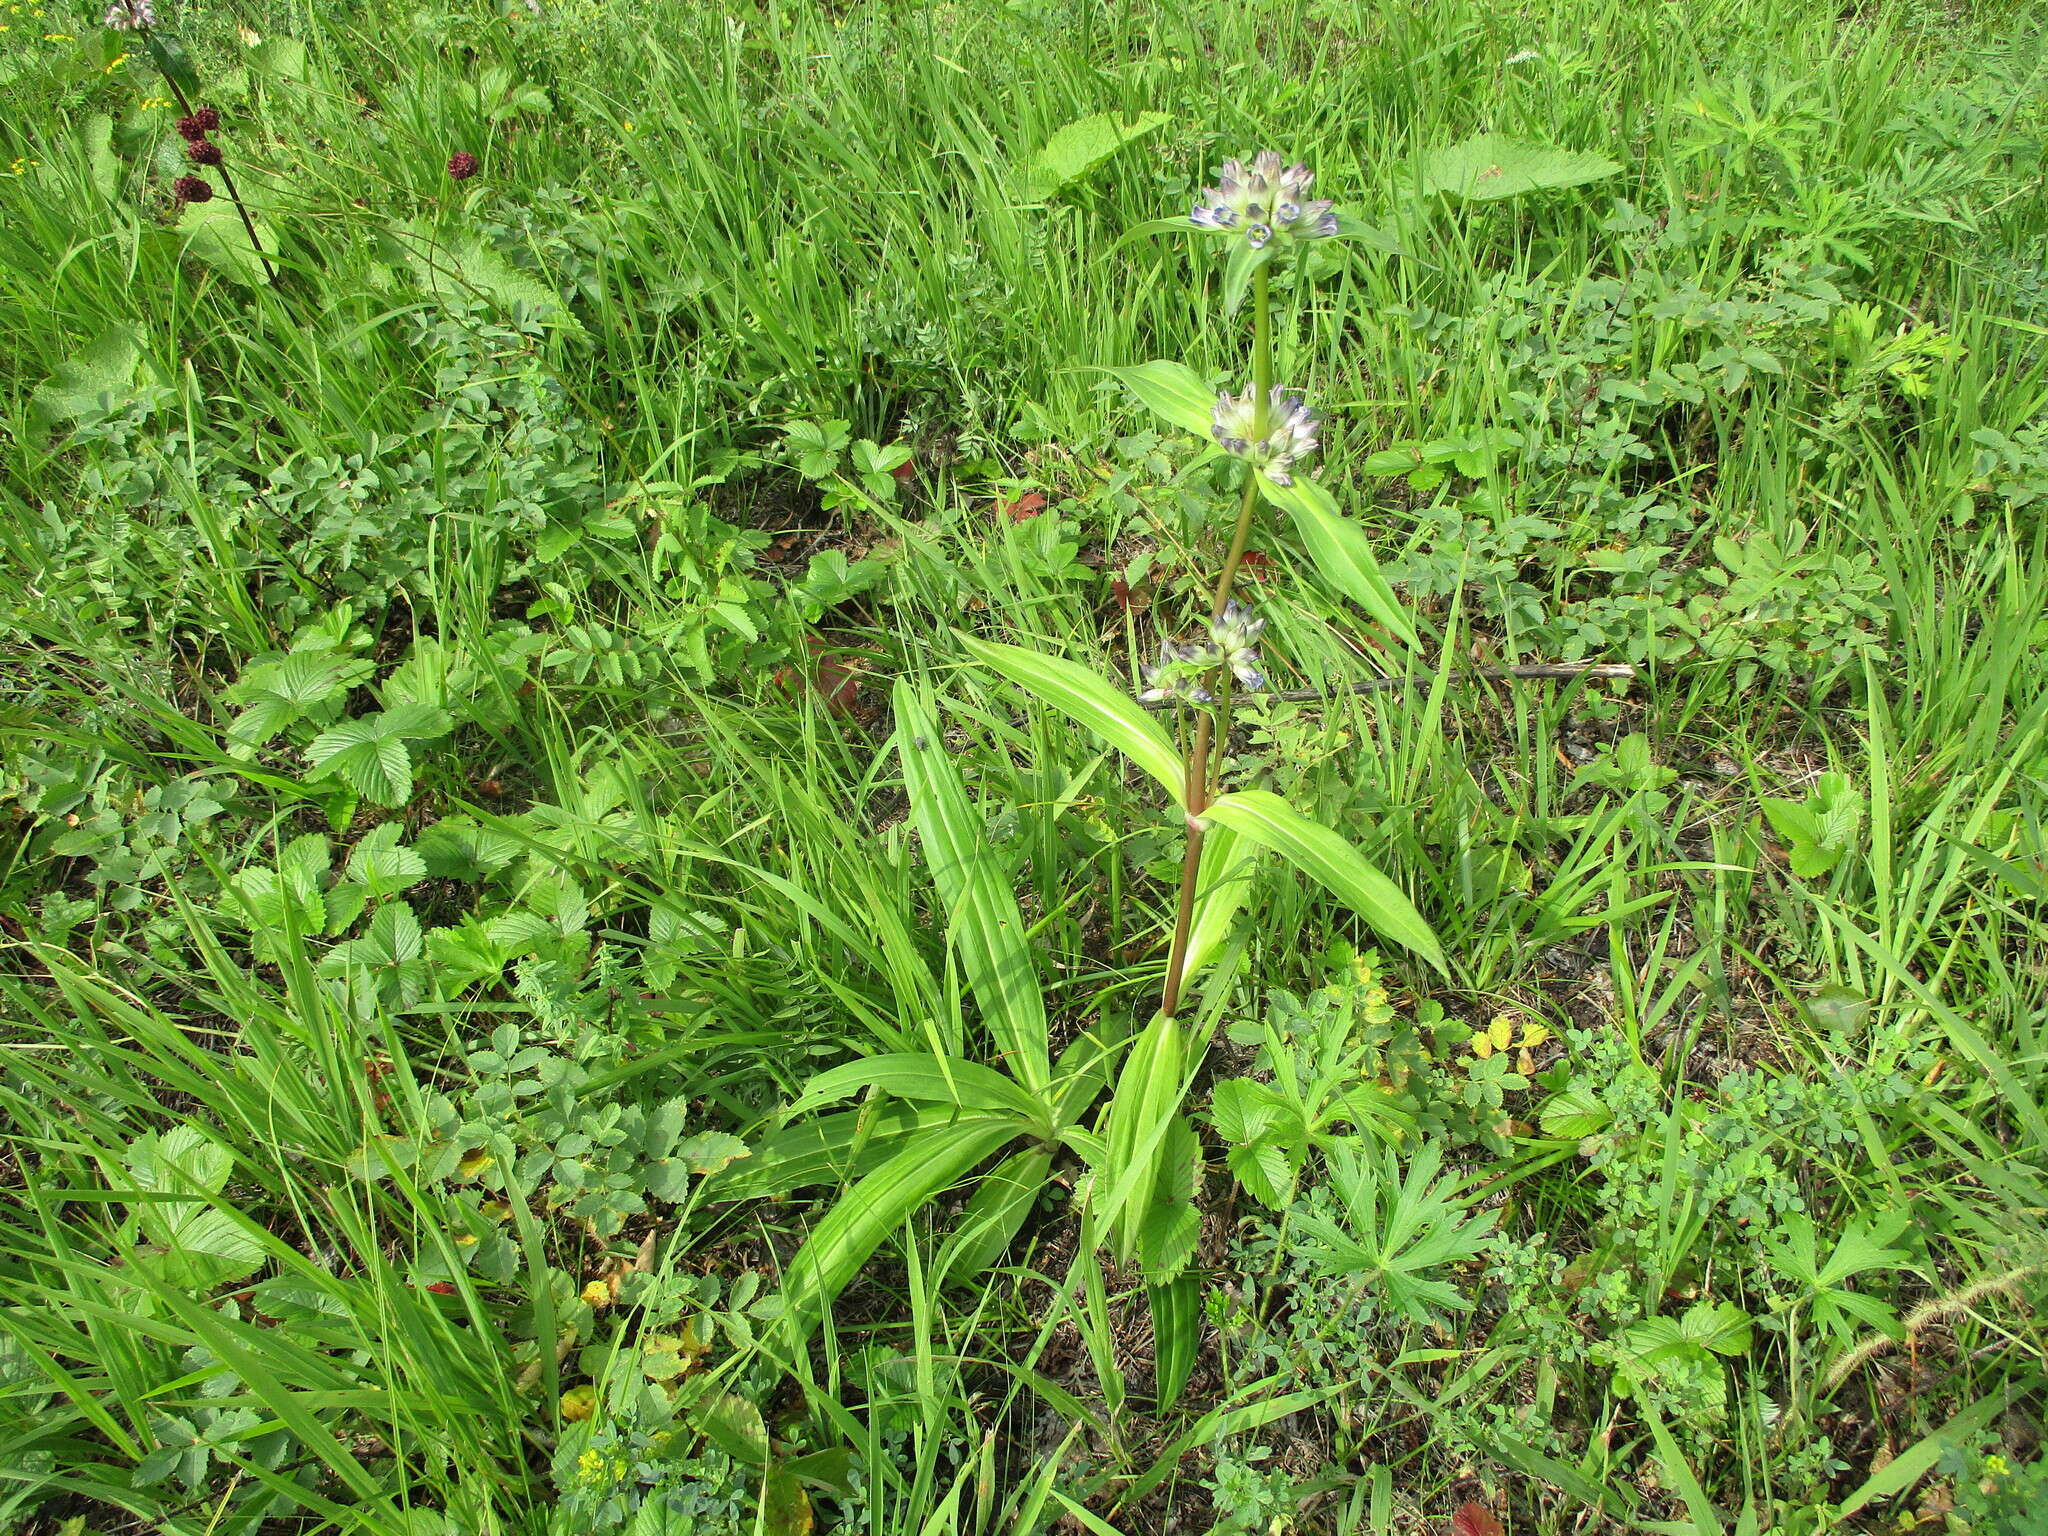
point(597, 1294)
point(1994, 1466)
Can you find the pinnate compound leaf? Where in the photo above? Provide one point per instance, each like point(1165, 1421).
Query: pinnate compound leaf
point(1315, 850)
point(1490, 166)
point(1104, 712)
point(1081, 147)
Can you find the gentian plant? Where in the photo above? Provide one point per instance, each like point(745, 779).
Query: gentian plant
point(1141, 1153)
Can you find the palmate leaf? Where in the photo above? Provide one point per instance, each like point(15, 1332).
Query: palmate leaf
point(1315, 850)
point(1083, 697)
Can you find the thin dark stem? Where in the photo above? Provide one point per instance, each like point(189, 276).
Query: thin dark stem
point(1191, 865)
point(1199, 783)
point(227, 179)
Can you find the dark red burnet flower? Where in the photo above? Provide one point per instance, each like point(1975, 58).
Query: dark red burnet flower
point(202, 152)
point(463, 165)
point(199, 124)
point(192, 189)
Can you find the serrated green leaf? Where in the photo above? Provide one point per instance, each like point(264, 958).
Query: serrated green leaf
point(1080, 147)
point(1323, 854)
point(1490, 166)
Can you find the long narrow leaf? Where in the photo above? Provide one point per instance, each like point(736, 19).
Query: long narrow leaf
point(1090, 703)
point(937, 1079)
point(1220, 890)
point(1341, 552)
point(877, 1206)
point(1315, 850)
point(981, 910)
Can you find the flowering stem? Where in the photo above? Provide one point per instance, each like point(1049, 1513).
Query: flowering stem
point(227, 180)
point(1199, 784)
point(1262, 349)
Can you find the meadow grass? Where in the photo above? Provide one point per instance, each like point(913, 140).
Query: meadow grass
point(455, 809)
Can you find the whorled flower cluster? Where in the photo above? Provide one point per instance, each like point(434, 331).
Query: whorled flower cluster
point(1276, 444)
point(1264, 201)
point(1179, 672)
point(130, 15)
point(1235, 636)
point(1184, 665)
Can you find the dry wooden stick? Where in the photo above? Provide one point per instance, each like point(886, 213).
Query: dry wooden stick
point(1483, 674)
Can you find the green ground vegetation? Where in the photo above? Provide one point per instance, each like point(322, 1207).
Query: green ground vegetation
point(552, 983)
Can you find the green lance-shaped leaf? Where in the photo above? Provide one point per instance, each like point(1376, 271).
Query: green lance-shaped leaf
point(877, 1206)
point(1134, 1126)
point(1174, 392)
point(934, 1079)
point(986, 927)
point(1341, 552)
point(1220, 891)
point(1315, 850)
point(1087, 700)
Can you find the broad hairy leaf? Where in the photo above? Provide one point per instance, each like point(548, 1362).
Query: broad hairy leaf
point(981, 910)
point(1105, 712)
point(213, 233)
point(1080, 147)
point(1174, 392)
point(98, 375)
point(1341, 552)
point(1315, 850)
point(1491, 166)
